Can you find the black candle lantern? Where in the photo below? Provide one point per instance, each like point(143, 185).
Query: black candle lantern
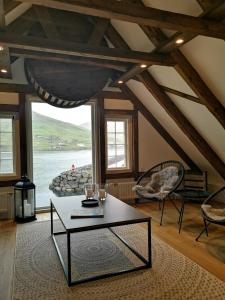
point(24, 200)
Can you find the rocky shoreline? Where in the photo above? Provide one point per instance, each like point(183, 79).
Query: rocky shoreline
point(72, 182)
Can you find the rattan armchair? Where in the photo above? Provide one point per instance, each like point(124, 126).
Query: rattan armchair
point(148, 188)
point(213, 210)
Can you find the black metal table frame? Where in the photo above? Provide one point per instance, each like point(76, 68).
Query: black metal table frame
point(67, 268)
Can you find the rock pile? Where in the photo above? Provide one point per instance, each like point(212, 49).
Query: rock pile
point(72, 182)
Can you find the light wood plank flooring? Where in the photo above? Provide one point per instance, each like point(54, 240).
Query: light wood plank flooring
point(209, 252)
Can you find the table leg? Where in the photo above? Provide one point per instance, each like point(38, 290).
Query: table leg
point(51, 213)
point(149, 245)
point(69, 258)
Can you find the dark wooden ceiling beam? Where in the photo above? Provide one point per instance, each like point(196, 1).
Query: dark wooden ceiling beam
point(83, 50)
point(182, 122)
point(159, 128)
point(113, 95)
point(189, 74)
point(141, 15)
point(5, 67)
point(208, 5)
point(98, 31)
point(15, 88)
point(196, 83)
point(46, 22)
point(11, 5)
point(215, 12)
point(2, 15)
point(22, 25)
point(181, 94)
point(130, 73)
point(68, 59)
point(118, 41)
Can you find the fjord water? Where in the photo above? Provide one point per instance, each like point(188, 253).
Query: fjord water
point(49, 164)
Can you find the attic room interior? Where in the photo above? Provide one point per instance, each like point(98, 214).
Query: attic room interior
point(112, 149)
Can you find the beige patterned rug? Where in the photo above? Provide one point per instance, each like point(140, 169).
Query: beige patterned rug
point(39, 275)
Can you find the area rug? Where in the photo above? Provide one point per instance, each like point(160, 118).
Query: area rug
point(39, 275)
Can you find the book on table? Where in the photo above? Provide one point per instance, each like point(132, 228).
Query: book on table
point(86, 212)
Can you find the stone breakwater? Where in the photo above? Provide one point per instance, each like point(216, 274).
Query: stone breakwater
point(72, 182)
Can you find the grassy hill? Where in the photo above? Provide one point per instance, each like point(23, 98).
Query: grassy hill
point(50, 134)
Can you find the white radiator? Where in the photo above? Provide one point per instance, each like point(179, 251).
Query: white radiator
point(6, 205)
point(122, 191)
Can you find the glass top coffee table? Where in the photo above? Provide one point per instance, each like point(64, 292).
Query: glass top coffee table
point(116, 213)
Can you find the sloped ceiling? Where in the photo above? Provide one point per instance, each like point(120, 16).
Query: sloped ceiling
point(207, 56)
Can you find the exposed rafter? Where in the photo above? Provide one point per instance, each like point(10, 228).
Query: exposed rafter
point(159, 128)
point(5, 67)
point(189, 74)
point(215, 12)
point(2, 15)
point(15, 88)
point(98, 31)
point(182, 122)
point(83, 50)
point(134, 13)
point(194, 80)
point(68, 59)
point(113, 95)
point(208, 4)
point(14, 9)
point(47, 23)
point(181, 94)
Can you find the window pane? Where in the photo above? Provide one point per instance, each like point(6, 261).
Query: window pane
point(117, 144)
point(6, 146)
point(111, 162)
point(120, 126)
point(120, 150)
point(6, 140)
point(121, 164)
point(111, 126)
point(120, 138)
point(5, 125)
point(6, 166)
point(111, 138)
point(111, 150)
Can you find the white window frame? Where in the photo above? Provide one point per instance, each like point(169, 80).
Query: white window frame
point(16, 146)
point(129, 142)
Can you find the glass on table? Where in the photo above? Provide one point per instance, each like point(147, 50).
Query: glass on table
point(89, 190)
point(102, 191)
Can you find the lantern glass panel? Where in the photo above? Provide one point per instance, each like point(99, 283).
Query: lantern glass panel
point(18, 203)
point(30, 202)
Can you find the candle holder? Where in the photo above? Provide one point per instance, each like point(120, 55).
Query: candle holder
point(24, 201)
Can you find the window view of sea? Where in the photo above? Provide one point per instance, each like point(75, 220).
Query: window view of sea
point(49, 164)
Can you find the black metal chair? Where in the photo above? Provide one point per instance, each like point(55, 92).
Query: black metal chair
point(144, 183)
point(213, 210)
point(194, 188)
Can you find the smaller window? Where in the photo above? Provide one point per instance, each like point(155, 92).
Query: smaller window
point(8, 158)
point(118, 143)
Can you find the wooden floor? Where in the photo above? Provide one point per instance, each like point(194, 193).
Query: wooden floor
point(209, 252)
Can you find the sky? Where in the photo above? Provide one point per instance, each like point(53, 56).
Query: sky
point(77, 116)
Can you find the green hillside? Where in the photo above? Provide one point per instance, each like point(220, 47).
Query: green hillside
point(50, 134)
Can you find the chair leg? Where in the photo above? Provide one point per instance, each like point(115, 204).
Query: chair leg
point(163, 205)
point(181, 217)
point(205, 229)
point(159, 205)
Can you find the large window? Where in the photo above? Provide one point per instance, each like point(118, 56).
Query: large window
point(118, 143)
point(8, 165)
point(62, 143)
